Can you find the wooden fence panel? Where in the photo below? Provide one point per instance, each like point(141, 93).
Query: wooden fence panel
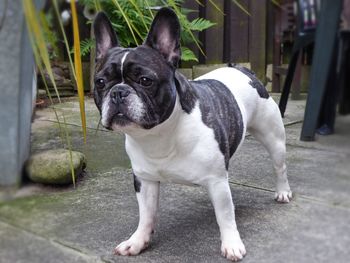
point(257, 38)
point(213, 38)
point(236, 38)
point(270, 27)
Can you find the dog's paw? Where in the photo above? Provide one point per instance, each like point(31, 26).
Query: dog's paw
point(131, 247)
point(234, 250)
point(283, 196)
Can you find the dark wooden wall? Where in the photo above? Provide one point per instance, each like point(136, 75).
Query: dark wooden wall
point(237, 37)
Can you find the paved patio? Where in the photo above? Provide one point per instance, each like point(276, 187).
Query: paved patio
point(63, 224)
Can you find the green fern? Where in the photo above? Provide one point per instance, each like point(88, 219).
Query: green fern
point(85, 46)
point(132, 19)
point(200, 24)
point(188, 55)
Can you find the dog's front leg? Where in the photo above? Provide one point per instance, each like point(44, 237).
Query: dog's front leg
point(147, 193)
point(232, 246)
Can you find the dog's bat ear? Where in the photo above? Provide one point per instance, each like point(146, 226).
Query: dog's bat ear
point(104, 35)
point(164, 35)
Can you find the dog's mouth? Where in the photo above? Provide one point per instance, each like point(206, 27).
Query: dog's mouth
point(118, 119)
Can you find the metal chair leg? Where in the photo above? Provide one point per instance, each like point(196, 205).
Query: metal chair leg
point(324, 45)
point(288, 82)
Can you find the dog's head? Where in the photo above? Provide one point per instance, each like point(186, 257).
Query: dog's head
point(135, 88)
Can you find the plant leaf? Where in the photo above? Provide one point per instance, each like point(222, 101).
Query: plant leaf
point(78, 67)
point(188, 55)
point(86, 45)
point(241, 7)
point(42, 59)
point(200, 24)
point(216, 7)
point(140, 13)
point(128, 22)
point(172, 3)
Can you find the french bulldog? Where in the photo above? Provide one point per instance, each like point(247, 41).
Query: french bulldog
point(182, 131)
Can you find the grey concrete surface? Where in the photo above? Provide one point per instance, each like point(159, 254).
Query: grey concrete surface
point(63, 224)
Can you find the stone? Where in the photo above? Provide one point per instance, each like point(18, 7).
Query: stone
point(269, 72)
point(53, 166)
point(199, 70)
point(187, 72)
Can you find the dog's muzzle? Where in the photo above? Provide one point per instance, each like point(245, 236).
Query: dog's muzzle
point(119, 93)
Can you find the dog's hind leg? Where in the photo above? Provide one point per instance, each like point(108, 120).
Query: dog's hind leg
point(267, 127)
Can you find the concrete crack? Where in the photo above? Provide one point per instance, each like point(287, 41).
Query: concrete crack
point(341, 206)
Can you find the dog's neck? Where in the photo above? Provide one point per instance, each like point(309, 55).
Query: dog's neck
point(161, 140)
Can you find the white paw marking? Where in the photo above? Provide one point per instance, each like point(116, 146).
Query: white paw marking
point(131, 247)
point(283, 196)
point(234, 250)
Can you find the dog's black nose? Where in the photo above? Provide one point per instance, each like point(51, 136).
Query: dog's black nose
point(118, 94)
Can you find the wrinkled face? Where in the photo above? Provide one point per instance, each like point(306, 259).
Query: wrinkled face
point(135, 88)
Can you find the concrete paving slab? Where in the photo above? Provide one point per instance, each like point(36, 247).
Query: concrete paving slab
point(104, 150)
point(88, 221)
point(313, 173)
point(337, 142)
point(70, 110)
point(103, 211)
point(18, 246)
point(294, 111)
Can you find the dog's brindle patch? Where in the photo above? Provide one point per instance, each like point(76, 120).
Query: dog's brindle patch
point(137, 184)
point(219, 110)
point(255, 82)
point(221, 113)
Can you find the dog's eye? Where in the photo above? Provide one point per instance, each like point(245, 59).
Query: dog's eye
point(146, 82)
point(100, 83)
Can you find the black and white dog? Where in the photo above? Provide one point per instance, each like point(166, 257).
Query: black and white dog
point(182, 131)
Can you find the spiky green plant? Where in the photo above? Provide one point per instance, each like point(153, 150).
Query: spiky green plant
point(132, 20)
point(40, 35)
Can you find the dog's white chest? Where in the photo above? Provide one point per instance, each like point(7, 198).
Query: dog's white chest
point(188, 154)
